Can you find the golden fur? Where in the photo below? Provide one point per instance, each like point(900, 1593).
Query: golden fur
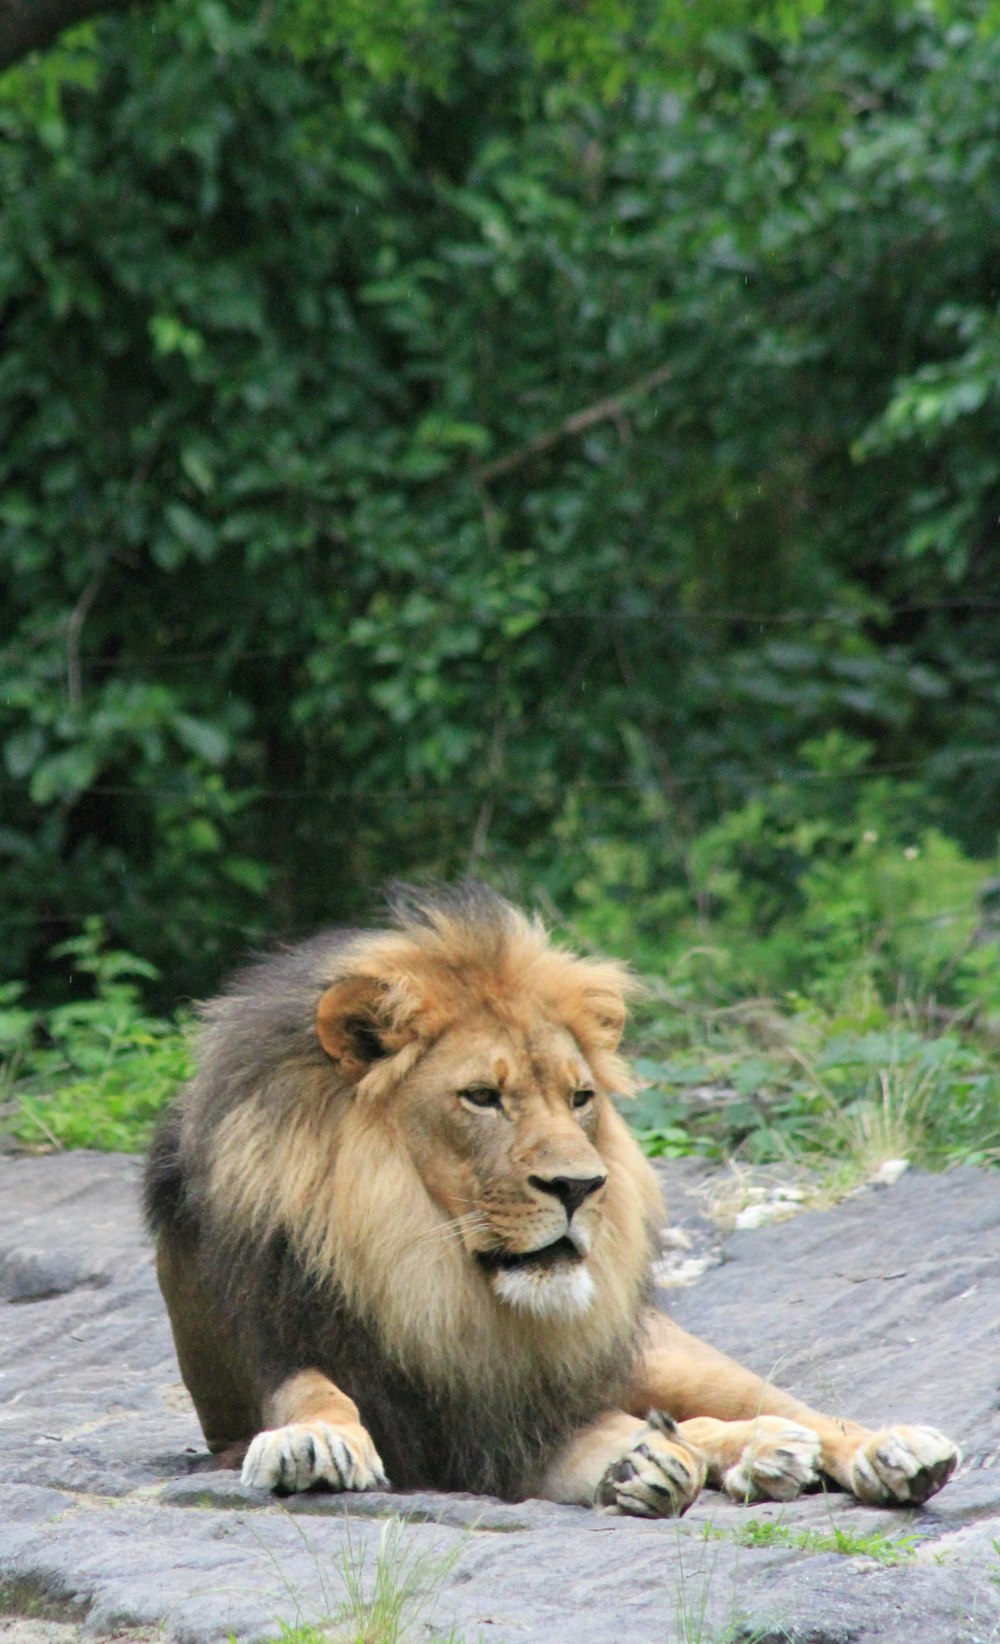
point(292, 1157)
point(402, 1229)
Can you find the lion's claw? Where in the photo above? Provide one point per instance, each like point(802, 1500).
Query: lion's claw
point(903, 1466)
point(658, 1477)
point(780, 1461)
point(300, 1455)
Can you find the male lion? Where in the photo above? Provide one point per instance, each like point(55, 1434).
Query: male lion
point(403, 1234)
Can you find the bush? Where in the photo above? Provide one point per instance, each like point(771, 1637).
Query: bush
point(94, 1072)
point(407, 472)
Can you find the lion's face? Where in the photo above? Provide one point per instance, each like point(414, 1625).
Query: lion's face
point(443, 1145)
point(504, 1127)
point(492, 1071)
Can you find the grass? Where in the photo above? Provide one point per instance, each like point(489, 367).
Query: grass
point(380, 1596)
point(785, 1081)
point(369, 1631)
point(693, 1594)
point(385, 1599)
point(93, 1072)
point(693, 1599)
point(842, 1090)
point(874, 1544)
point(22, 1600)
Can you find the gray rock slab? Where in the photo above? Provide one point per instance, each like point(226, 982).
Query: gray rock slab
point(884, 1308)
point(90, 1393)
point(114, 1523)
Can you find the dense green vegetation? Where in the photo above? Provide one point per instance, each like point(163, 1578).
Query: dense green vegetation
point(836, 1091)
point(93, 1072)
point(467, 441)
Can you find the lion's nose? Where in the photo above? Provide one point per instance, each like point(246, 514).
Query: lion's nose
point(569, 1190)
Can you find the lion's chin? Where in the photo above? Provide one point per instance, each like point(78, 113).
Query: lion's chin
point(562, 1292)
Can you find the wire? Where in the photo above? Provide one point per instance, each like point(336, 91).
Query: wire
point(833, 615)
point(264, 932)
point(254, 794)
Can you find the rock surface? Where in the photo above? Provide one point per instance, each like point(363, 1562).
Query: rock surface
point(886, 1307)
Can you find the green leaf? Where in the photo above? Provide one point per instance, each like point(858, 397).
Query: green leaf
point(206, 741)
point(64, 775)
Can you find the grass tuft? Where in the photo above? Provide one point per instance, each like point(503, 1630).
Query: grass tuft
point(874, 1544)
point(380, 1596)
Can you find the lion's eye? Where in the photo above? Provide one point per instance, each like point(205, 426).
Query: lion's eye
point(582, 1097)
point(482, 1096)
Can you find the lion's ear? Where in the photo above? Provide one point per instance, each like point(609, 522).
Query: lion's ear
point(351, 1026)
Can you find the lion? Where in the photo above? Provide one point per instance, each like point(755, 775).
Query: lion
point(404, 1234)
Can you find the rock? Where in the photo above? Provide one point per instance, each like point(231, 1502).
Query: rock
point(115, 1523)
point(885, 1308)
point(889, 1171)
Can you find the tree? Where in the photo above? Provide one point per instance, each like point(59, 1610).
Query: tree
point(32, 25)
point(414, 473)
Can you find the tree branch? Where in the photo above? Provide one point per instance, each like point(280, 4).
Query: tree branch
point(31, 25)
point(606, 410)
point(74, 628)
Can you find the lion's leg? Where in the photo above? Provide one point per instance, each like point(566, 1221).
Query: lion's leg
point(314, 1434)
point(759, 1441)
point(225, 1409)
point(627, 1466)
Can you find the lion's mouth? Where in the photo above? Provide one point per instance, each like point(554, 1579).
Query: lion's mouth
point(562, 1251)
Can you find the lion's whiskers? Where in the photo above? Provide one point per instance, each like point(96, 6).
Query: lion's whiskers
point(446, 1232)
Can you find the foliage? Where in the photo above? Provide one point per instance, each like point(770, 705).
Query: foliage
point(836, 895)
point(763, 1084)
point(493, 461)
point(859, 1082)
point(837, 994)
point(96, 1071)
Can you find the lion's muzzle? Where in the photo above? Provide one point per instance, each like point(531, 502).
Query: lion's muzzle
point(562, 1250)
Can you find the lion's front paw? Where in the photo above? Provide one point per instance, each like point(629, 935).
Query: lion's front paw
point(780, 1460)
point(902, 1465)
point(305, 1453)
point(658, 1477)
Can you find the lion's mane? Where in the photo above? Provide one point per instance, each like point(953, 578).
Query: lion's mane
point(309, 1236)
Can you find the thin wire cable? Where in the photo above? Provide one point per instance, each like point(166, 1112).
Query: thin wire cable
point(428, 796)
point(836, 616)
